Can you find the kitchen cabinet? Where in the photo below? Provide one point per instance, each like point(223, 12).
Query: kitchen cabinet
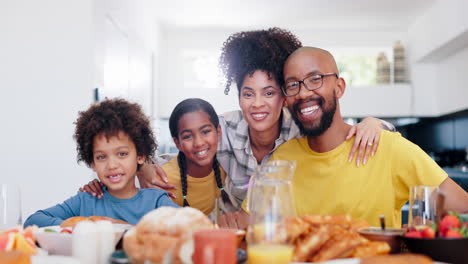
point(385, 100)
point(439, 54)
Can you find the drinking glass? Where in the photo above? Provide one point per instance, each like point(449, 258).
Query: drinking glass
point(270, 202)
point(214, 246)
point(10, 206)
point(422, 205)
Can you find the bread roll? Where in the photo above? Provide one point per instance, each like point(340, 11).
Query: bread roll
point(72, 221)
point(162, 230)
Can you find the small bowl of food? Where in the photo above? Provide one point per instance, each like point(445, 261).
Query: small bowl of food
point(57, 240)
point(446, 242)
point(450, 250)
point(390, 235)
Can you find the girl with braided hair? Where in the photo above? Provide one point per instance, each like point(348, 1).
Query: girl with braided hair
point(253, 61)
point(194, 127)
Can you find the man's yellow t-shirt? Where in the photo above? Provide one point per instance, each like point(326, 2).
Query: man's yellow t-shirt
point(201, 192)
point(327, 184)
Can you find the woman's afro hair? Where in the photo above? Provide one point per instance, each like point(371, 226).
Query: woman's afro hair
point(247, 51)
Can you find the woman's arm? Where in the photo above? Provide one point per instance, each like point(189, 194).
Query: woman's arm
point(367, 137)
point(153, 176)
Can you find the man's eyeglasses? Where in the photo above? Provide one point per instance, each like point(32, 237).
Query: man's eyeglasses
point(312, 82)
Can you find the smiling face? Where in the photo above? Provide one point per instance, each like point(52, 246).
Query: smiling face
point(115, 161)
point(197, 138)
point(313, 111)
point(261, 101)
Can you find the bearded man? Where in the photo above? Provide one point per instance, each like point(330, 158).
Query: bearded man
point(323, 182)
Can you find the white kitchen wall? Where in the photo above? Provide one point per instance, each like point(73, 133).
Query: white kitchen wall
point(171, 86)
point(438, 42)
point(52, 55)
point(126, 42)
point(178, 40)
point(452, 82)
point(46, 74)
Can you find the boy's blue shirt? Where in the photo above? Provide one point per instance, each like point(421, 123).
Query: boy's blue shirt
point(84, 204)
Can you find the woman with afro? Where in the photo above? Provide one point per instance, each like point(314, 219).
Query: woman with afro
point(254, 60)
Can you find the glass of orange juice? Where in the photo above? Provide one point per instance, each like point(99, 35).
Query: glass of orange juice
point(270, 202)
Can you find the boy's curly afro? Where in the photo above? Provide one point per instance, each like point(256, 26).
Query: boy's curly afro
point(247, 51)
point(109, 117)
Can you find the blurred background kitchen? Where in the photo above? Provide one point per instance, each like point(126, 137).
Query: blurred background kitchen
point(405, 62)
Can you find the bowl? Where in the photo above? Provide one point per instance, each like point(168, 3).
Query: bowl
point(57, 243)
point(390, 235)
point(451, 250)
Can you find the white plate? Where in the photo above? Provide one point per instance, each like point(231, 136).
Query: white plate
point(335, 261)
point(53, 260)
point(61, 243)
point(345, 261)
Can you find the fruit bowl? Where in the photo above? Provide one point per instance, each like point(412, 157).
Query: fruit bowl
point(56, 242)
point(451, 250)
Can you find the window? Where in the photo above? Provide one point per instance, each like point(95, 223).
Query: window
point(358, 66)
point(201, 69)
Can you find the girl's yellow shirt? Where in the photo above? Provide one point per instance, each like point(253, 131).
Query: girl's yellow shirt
point(201, 192)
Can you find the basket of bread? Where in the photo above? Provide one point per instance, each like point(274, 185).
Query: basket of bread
point(165, 235)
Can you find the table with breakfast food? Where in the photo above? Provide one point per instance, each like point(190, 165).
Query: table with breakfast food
point(185, 235)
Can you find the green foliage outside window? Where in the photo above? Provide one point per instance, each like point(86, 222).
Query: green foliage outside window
point(358, 70)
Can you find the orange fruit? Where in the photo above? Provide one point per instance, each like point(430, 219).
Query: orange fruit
point(6, 241)
point(22, 244)
point(14, 230)
point(28, 233)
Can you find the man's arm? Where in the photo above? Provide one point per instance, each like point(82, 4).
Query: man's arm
point(456, 199)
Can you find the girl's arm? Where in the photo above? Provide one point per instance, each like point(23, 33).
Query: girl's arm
point(55, 214)
point(367, 138)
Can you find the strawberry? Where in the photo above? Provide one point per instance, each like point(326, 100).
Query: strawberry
point(428, 232)
point(66, 231)
point(451, 233)
point(449, 221)
point(413, 234)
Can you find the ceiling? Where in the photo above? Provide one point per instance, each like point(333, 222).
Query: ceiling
point(390, 15)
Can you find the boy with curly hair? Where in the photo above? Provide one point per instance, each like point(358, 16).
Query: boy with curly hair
point(114, 138)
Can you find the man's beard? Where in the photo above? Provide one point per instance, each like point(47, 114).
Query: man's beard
point(325, 121)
